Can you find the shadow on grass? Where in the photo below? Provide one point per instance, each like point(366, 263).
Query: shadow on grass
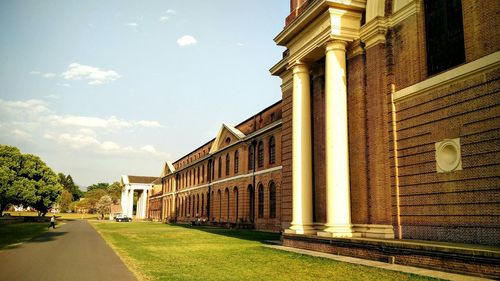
point(245, 234)
point(13, 235)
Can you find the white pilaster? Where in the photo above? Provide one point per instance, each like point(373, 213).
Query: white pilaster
point(301, 152)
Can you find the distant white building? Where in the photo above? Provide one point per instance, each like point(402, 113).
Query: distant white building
point(131, 184)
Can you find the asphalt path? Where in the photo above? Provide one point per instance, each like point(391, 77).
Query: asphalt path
point(73, 251)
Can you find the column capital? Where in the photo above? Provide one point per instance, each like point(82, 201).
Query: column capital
point(335, 45)
point(299, 66)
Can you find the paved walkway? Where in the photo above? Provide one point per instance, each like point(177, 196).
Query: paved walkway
point(383, 265)
point(73, 251)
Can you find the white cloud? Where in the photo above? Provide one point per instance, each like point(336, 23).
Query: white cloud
point(21, 134)
point(96, 76)
point(186, 40)
point(89, 122)
point(53, 97)
point(48, 75)
point(34, 121)
point(239, 44)
point(148, 148)
point(166, 16)
point(28, 106)
point(149, 124)
point(131, 24)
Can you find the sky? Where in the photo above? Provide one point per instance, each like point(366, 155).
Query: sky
point(100, 89)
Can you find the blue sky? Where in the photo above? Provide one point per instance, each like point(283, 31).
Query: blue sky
point(104, 88)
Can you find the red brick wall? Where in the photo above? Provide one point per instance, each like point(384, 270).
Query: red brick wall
point(463, 205)
point(286, 152)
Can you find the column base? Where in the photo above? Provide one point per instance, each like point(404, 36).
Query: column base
point(340, 231)
point(301, 229)
point(375, 230)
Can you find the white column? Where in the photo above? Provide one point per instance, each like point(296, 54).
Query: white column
point(124, 200)
point(338, 211)
point(302, 222)
point(144, 204)
point(130, 206)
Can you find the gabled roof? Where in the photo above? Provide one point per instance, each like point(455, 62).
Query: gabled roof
point(168, 168)
point(219, 141)
point(126, 179)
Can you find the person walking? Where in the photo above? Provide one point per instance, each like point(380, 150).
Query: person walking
point(53, 222)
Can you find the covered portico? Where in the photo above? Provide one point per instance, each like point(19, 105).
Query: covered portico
point(141, 184)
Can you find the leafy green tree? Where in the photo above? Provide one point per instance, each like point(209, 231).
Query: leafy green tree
point(102, 185)
point(92, 197)
point(65, 200)
point(103, 206)
point(68, 184)
point(26, 179)
point(115, 191)
point(10, 161)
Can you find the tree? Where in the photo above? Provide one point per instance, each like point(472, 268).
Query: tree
point(26, 179)
point(92, 197)
point(103, 206)
point(102, 185)
point(115, 191)
point(65, 200)
point(10, 160)
point(68, 184)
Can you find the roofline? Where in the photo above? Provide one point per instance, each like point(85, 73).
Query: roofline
point(241, 123)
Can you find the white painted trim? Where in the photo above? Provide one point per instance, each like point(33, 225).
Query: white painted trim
point(270, 170)
point(458, 73)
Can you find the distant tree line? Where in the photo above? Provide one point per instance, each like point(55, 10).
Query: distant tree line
point(99, 198)
point(26, 180)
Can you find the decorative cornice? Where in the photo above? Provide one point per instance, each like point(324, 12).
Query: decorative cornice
point(485, 63)
point(355, 49)
point(403, 13)
point(311, 13)
point(374, 32)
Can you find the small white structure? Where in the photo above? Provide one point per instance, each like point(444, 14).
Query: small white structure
point(131, 184)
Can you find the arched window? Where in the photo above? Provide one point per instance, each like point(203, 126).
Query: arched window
point(236, 161)
point(227, 164)
point(272, 150)
point(236, 199)
point(272, 200)
point(202, 205)
point(250, 157)
point(220, 168)
point(260, 154)
point(219, 195)
point(199, 175)
point(202, 173)
point(197, 205)
point(226, 194)
point(261, 201)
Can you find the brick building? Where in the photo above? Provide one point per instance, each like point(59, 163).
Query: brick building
point(391, 119)
point(388, 128)
point(233, 179)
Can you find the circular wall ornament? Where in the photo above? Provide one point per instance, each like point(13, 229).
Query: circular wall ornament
point(448, 155)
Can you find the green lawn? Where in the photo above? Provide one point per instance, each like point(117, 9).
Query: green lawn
point(64, 216)
point(164, 252)
point(13, 234)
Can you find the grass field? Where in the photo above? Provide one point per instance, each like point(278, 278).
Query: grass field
point(16, 233)
point(164, 252)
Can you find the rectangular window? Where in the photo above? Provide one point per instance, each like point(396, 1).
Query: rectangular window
point(444, 35)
